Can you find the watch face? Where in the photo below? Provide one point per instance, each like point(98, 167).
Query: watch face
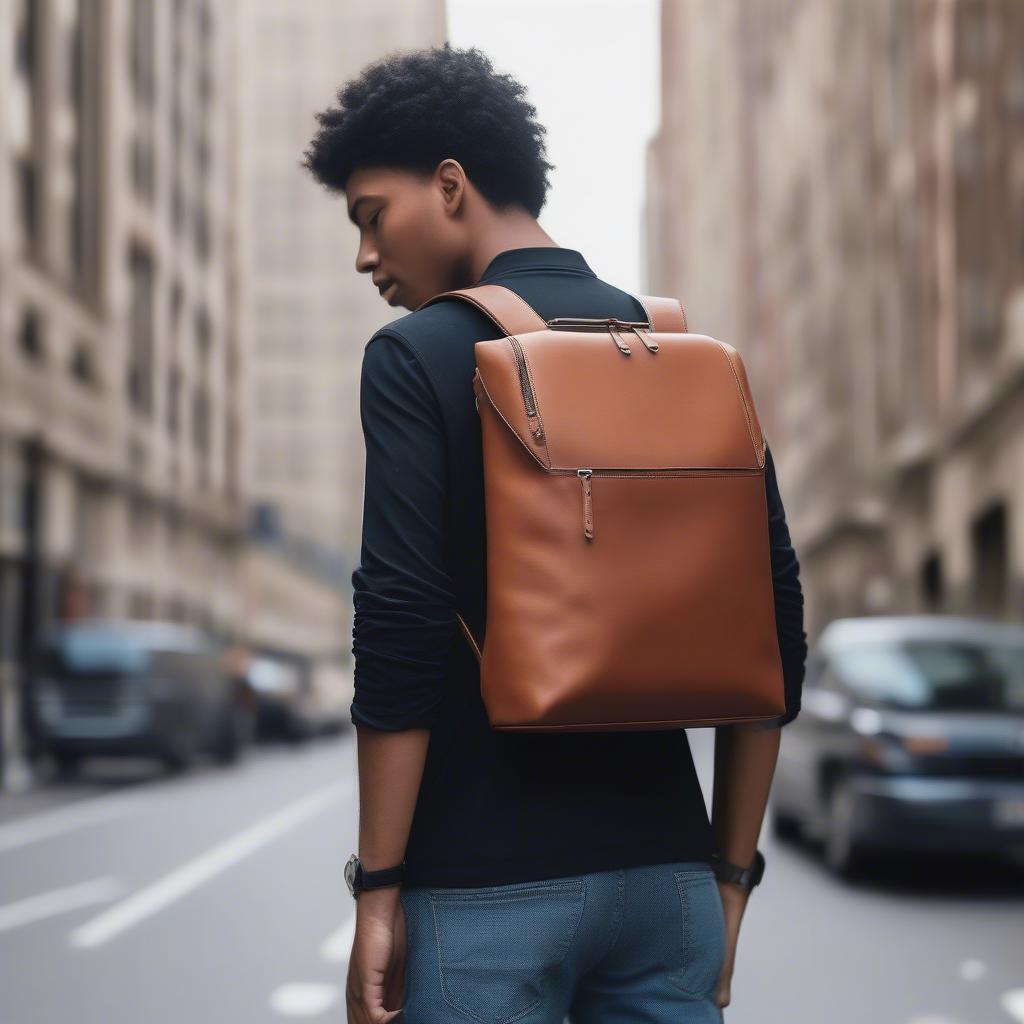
point(350, 873)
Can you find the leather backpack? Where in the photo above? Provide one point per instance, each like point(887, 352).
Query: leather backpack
point(629, 581)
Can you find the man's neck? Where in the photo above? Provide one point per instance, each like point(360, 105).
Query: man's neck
point(512, 233)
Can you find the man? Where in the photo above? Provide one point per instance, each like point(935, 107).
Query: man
point(524, 876)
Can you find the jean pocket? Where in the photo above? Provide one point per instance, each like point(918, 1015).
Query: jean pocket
point(702, 955)
point(499, 946)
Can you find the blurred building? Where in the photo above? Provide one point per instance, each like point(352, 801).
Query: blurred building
point(120, 414)
point(309, 313)
point(838, 190)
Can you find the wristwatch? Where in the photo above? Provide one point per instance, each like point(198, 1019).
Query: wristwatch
point(359, 879)
point(746, 878)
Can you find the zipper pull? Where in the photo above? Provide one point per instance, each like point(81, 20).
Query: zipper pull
point(652, 345)
point(619, 340)
point(588, 504)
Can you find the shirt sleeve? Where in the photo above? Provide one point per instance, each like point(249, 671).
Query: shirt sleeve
point(404, 621)
point(789, 600)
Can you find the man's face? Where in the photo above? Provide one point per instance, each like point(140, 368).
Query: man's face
point(408, 241)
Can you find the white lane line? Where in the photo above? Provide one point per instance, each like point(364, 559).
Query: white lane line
point(337, 947)
point(190, 875)
point(58, 901)
point(1013, 1003)
point(46, 824)
point(303, 999)
point(973, 970)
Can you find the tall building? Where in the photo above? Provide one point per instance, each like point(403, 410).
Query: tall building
point(120, 348)
point(837, 189)
point(309, 313)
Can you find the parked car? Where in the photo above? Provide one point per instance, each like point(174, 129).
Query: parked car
point(299, 698)
point(155, 689)
point(911, 736)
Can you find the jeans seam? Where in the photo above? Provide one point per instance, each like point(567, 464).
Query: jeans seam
point(683, 880)
point(579, 885)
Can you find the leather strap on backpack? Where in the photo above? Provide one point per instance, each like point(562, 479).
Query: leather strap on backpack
point(512, 314)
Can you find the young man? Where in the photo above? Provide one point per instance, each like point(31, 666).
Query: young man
point(522, 876)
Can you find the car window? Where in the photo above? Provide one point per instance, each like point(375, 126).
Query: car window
point(938, 675)
point(91, 652)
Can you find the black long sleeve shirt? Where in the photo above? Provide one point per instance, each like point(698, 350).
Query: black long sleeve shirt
point(501, 807)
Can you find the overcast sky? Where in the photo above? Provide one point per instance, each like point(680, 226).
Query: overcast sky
point(591, 68)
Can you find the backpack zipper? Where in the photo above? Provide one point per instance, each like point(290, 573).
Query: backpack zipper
point(593, 323)
point(586, 480)
point(529, 399)
point(611, 324)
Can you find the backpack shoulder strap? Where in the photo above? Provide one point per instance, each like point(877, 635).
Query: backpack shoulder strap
point(512, 313)
point(663, 314)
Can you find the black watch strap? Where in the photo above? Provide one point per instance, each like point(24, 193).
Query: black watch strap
point(381, 877)
point(745, 877)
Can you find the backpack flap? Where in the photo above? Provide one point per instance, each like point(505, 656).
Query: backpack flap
point(573, 399)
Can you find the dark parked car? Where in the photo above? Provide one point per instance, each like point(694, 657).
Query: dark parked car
point(911, 736)
point(156, 689)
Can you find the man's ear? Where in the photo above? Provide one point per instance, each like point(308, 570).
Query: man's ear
point(452, 179)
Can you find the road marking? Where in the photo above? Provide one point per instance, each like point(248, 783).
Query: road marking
point(190, 875)
point(58, 901)
point(1013, 1003)
point(337, 947)
point(973, 970)
point(82, 813)
point(303, 999)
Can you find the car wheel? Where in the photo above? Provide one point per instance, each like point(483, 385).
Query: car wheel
point(67, 765)
point(843, 854)
point(180, 756)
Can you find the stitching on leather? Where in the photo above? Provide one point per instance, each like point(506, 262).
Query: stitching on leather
point(527, 446)
point(469, 636)
point(536, 400)
point(524, 304)
point(647, 309)
point(743, 400)
point(483, 309)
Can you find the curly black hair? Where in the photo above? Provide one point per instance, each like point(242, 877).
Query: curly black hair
point(414, 108)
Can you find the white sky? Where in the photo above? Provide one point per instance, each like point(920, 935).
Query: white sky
point(591, 68)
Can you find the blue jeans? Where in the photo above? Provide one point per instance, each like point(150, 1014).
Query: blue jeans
point(639, 944)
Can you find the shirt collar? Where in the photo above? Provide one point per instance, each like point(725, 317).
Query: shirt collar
point(536, 257)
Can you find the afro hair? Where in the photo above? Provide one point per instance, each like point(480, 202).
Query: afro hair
point(412, 109)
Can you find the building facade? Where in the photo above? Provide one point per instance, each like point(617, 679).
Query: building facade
point(120, 349)
point(308, 312)
point(838, 190)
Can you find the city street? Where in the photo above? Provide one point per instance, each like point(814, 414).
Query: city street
point(130, 898)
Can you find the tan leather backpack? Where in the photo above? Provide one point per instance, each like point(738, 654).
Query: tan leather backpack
point(629, 581)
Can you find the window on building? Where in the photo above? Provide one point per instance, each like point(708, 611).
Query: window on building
point(30, 334)
point(140, 326)
point(931, 582)
point(990, 551)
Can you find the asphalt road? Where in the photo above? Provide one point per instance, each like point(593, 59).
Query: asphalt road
point(218, 898)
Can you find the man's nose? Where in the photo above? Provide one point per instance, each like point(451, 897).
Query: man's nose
point(366, 260)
